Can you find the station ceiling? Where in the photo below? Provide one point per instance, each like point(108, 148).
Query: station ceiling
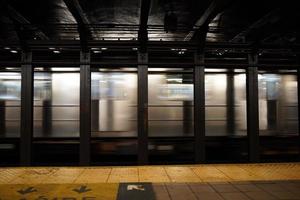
point(235, 21)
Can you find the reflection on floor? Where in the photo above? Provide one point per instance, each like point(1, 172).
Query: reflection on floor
point(230, 181)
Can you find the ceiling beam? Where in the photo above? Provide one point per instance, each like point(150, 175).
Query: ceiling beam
point(270, 18)
point(213, 9)
point(84, 29)
point(24, 24)
point(143, 32)
point(285, 29)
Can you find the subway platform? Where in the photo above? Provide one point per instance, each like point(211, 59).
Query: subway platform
point(204, 182)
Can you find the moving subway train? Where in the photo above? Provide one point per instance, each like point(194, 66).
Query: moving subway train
point(170, 115)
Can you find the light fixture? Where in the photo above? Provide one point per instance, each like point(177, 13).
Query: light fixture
point(64, 69)
point(134, 49)
point(56, 51)
point(9, 68)
point(51, 48)
point(94, 48)
point(97, 51)
point(7, 48)
point(103, 48)
point(13, 51)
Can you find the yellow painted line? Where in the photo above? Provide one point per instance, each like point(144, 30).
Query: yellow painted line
point(274, 171)
point(210, 174)
point(175, 173)
point(153, 174)
point(65, 175)
point(35, 175)
point(94, 175)
point(182, 174)
point(237, 173)
point(123, 174)
point(9, 174)
point(103, 191)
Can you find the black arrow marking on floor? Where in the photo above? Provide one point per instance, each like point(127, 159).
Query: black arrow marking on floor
point(27, 190)
point(135, 191)
point(82, 189)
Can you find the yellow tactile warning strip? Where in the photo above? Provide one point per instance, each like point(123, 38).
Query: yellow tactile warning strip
point(107, 191)
point(154, 174)
point(246, 190)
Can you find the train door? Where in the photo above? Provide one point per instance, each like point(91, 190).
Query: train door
point(170, 115)
point(225, 115)
point(278, 115)
point(56, 115)
point(114, 115)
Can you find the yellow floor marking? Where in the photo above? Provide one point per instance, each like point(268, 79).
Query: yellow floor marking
point(10, 174)
point(277, 171)
point(236, 173)
point(103, 191)
point(152, 174)
point(94, 175)
point(35, 175)
point(210, 174)
point(182, 174)
point(65, 175)
point(123, 174)
point(265, 172)
point(290, 171)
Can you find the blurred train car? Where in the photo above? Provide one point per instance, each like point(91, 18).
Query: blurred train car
point(170, 115)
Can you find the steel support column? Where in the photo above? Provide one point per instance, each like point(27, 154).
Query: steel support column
point(199, 108)
point(252, 108)
point(230, 109)
point(85, 108)
point(26, 109)
point(142, 108)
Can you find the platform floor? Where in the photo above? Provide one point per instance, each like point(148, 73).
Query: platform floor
point(220, 181)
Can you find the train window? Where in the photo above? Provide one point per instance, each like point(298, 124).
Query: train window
point(170, 103)
point(225, 113)
point(56, 102)
point(114, 103)
point(10, 103)
point(278, 114)
point(10, 115)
